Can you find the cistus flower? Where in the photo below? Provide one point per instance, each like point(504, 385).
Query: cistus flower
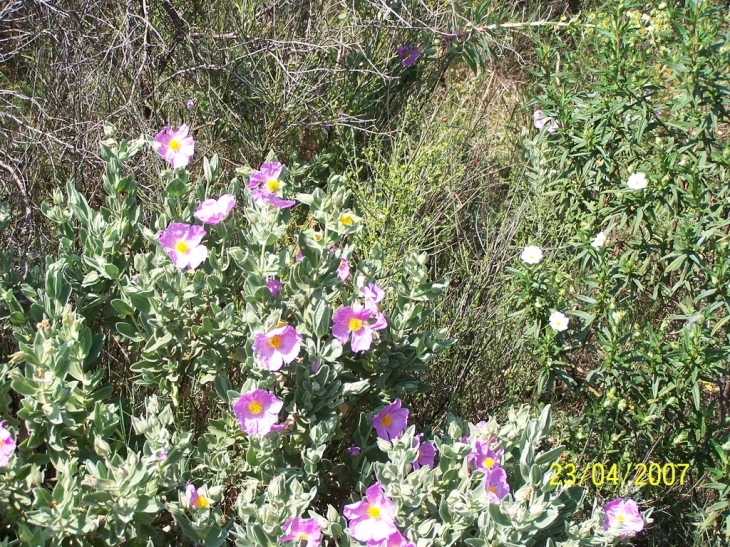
point(355, 319)
point(395, 539)
point(7, 444)
point(558, 321)
point(343, 270)
point(637, 181)
point(182, 243)
point(195, 499)
point(258, 412)
point(372, 519)
point(483, 457)
point(299, 529)
point(426, 453)
point(541, 120)
point(191, 103)
point(277, 347)
point(390, 422)
point(495, 483)
point(354, 451)
point(261, 197)
point(599, 241)
point(623, 517)
point(267, 177)
point(373, 296)
point(273, 285)
point(408, 55)
point(531, 255)
point(212, 211)
point(175, 146)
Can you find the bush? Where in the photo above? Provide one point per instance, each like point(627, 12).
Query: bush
point(144, 355)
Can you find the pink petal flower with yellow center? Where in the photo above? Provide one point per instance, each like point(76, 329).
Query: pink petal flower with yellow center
point(390, 422)
point(175, 146)
point(182, 243)
point(541, 120)
point(277, 347)
point(212, 211)
point(273, 285)
point(482, 456)
point(426, 453)
point(7, 444)
point(195, 499)
point(343, 270)
point(372, 519)
point(495, 483)
point(258, 412)
point(264, 197)
point(299, 529)
point(267, 177)
point(623, 517)
point(355, 319)
point(395, 539)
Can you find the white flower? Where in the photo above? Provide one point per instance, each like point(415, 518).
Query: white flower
point(558, 321)
point(599, 241)
point(541, 120)
point(637, 181)
point(531, 255)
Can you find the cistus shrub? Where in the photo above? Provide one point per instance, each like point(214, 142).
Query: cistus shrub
point(243, 379)
point(634, 165)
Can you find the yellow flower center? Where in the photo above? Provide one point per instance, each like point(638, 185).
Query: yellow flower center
point(174, 144)
point(272, 185)
point(182, 247)
point(355, 324)
point(620, 518)
point(202, 502)
point(420, 453)
point(255, 408)
point(373, 512)
point(489, 462)
point(387, 420)
point(2, 442)
point(317, 236)
point(303, 536)
point(493, 490)
point(346, 220)
point(275, 342)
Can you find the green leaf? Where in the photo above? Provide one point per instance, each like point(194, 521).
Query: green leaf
point(126, 330)
point(123, 309)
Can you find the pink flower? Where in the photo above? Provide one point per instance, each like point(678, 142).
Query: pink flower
point(390, 422)
point(373, 295)
point(182, 243)
point(426, 453)
point(258, 412)
point(372, 519)
point(7, 444)
point(623, 516)
point(355, 319)
point(273, 285)
point(495, 483)
point(354, 451)
point(483, 457)
point(395, 539)
point(175, 146)
point(212, 211)
point(261, 197)
point(299, 529)
point(540, 119)
point(195, 499)
point(266, 177)
point(343, 270)
point(277, 347)
point(299, 255)
point(191, 103)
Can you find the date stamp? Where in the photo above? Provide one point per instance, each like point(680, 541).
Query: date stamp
point(632, 474)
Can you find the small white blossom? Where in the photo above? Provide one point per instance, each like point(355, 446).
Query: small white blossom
point(531, 255)
point(599, 241)
point(558, 321)
point(637, 181)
